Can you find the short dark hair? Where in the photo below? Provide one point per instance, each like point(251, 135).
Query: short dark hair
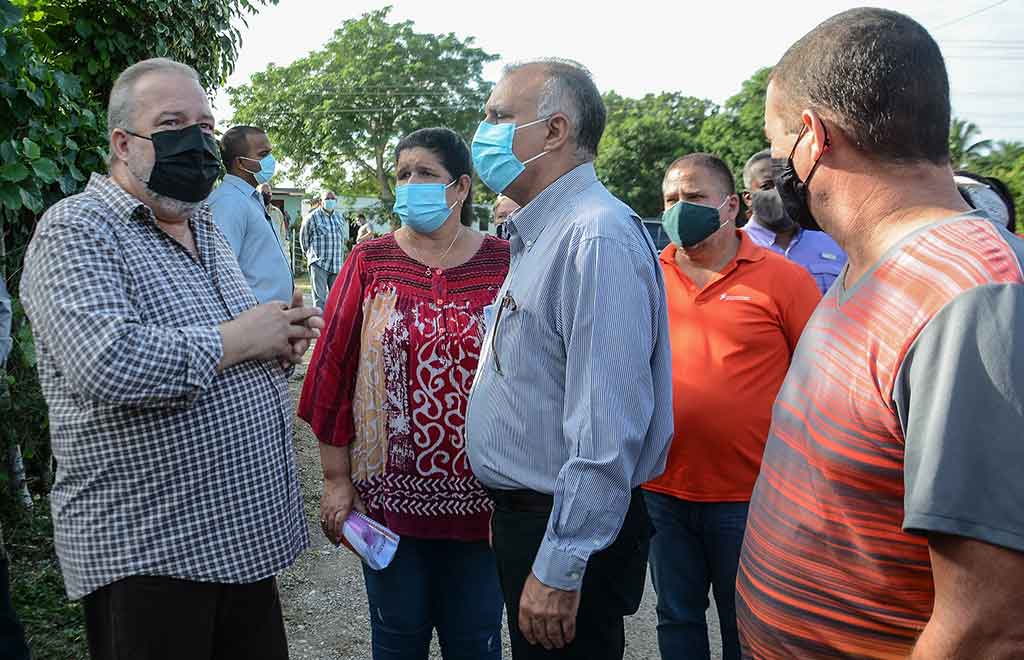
point(879, 76)
point(453, 154)
point(235, 143)
point(764, 154)
point(713, 164)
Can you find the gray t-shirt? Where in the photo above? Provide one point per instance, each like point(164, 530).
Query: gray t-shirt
point(959, 395)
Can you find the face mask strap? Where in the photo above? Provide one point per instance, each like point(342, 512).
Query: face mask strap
point(817, 161)
point(535, 121)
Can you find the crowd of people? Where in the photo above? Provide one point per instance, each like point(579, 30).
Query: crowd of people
point(811, 416)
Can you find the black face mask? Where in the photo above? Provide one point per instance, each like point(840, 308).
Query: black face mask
point(187, 163)
point(769, 211)
point(792, 190)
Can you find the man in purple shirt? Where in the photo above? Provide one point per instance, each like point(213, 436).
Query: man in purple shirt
point(770, 227)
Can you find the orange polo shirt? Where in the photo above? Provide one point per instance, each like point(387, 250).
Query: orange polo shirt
point(732, 342)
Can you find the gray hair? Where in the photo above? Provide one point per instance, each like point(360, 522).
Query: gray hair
point(764, 154)
point(570, 90)
point(121, 106)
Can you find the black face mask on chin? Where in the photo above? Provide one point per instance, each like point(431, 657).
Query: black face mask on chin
point(186, 165)
point(791, 189)
point(769, 211)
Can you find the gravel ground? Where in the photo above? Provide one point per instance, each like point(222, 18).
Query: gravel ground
point(324, 598)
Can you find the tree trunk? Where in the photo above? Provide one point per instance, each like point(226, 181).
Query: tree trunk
point(15, 465)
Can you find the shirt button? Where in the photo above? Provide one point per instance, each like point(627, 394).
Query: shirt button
point(574, 575)
point(440, 302)
point(438, 271)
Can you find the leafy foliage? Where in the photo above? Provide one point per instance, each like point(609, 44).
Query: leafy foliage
point(58, 60)
point(962, 145)
point(736, 133)
point(337, 113)
point(642, 138)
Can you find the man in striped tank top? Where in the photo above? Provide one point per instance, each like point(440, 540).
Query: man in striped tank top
point(888, 517)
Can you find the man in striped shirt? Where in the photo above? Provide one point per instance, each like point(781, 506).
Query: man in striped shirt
point(571, 409)
point(888, 517)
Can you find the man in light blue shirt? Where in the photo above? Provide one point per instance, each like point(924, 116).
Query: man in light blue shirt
point(571, 409)
point(770, 227)
point(239, 212)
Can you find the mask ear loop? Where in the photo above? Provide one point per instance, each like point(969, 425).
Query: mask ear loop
point(457, 202)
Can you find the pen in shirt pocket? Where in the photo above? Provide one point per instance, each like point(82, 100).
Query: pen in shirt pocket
point(507, 302)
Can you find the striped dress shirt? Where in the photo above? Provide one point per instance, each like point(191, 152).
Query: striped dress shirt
point(573, 395)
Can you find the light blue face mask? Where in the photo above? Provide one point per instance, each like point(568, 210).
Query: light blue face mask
point(267, 167)
point(493, 158)
point(330, 204)
point(423, 206)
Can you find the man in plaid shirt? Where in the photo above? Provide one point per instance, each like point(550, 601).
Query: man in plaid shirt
point(176, 499)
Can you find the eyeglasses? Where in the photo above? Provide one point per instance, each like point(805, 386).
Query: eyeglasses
point(509, 302)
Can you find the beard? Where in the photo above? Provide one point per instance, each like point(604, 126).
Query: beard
point(769, 211)
point(163, 205)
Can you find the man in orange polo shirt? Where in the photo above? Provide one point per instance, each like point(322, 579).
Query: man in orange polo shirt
point(735, 313)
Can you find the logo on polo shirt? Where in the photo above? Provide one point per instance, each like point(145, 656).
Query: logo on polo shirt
point(726, 296)
point(830, 256)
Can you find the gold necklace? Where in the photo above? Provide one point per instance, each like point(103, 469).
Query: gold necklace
point(444, 255)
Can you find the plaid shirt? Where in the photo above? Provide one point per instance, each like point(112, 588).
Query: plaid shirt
point(164, 466)
point(323, 237)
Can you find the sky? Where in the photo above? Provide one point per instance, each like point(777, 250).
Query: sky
point(703, 49)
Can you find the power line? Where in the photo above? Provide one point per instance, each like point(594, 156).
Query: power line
point(970, 15)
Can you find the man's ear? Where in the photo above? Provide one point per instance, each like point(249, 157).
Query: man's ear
point(119, 144)
point(559, 132)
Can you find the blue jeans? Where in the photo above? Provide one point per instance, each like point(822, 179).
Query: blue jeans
point(448, 585)
point(321, 281)
point(696, 545)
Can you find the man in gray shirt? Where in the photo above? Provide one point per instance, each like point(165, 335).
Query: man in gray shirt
point(571, 408)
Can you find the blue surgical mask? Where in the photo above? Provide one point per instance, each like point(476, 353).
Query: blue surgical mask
point(423, 206)
point(330, 204)
point(267, 167)
point(493, 158)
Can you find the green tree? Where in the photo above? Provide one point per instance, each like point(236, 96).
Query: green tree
point(1005, 161)
point(736, 133)
point(96, 39)
point(58, 60)
point(642, 138)
point(962, 144)
point(338, 112)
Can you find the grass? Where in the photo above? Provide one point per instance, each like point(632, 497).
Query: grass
point(54, 625)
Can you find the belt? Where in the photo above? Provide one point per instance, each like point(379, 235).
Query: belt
point(529, 500)
point(522, 500)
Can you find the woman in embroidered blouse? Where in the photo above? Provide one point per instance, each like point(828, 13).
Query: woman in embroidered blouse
point(386, 395)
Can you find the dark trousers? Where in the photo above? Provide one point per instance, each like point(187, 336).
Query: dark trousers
point(613, 584)
point(448, 585)
point(160, 618)
point(12, 636)
point(696, 548)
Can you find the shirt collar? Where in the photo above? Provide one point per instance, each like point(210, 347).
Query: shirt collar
point(747, 251)
point(124, 205)
point(529, 221)
point(241, 184)
point(767, 235)
point(127, 206)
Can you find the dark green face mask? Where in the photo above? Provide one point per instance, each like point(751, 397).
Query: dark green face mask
point(688, 224)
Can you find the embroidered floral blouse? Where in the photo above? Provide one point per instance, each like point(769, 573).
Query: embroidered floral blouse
point(390, 378)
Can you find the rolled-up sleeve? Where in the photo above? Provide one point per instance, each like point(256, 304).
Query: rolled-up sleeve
point(611, 299)
point(77, 293)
